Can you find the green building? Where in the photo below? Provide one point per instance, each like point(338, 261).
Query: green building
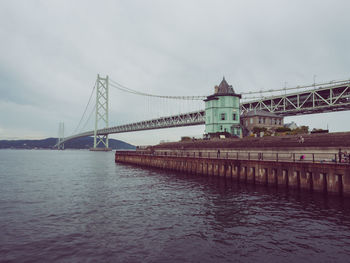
point(222, 111)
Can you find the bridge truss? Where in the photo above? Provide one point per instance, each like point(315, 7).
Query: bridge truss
point(327, 97)
point(181, 120)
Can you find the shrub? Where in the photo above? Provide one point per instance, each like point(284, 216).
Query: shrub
point(257, 130)
point(282, 129)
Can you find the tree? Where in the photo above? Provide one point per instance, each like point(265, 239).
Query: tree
point(301, 130)
point(304, 129)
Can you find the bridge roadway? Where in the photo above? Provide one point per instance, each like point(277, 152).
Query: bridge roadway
point(185, 119)
point(327, 97)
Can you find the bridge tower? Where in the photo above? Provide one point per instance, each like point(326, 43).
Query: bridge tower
point(60, 146)
point(101, 115)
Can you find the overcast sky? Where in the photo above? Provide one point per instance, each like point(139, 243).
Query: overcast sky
point(51, 52)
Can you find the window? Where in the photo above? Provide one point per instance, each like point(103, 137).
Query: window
point(246, 123)
point(251, 120)
point(234, 116)
point(260, 120)
point(263, 120)
point(220, 127)
point(223, 116)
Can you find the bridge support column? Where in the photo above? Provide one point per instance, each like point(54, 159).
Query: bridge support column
point(101, 116)
point(60, 145)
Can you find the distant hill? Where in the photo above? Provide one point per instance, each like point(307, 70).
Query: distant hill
point(80, 143)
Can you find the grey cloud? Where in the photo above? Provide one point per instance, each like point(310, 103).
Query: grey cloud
point(51, 52)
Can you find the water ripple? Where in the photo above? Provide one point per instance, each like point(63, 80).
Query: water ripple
point(79, 206)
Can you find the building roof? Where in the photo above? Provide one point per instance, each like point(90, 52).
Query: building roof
point(261, 113)
point(224, 88)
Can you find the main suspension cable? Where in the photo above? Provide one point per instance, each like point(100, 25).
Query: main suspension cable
point(314, 85)
point(121, 87)
point(88, 119)
point(81, 119)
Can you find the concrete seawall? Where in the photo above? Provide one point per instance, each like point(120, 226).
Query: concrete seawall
point(328, 178)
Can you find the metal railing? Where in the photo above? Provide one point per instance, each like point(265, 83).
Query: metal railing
point(254, 156)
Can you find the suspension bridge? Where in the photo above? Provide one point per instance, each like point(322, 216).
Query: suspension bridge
point(316, 98)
